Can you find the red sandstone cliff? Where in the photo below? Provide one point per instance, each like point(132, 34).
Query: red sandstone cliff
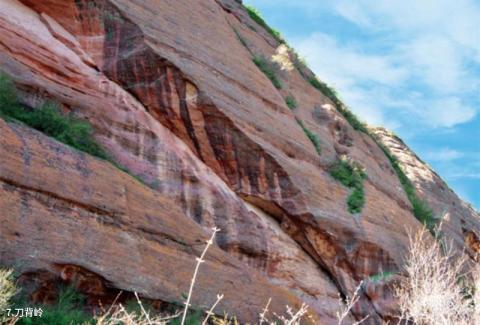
point(174, 96)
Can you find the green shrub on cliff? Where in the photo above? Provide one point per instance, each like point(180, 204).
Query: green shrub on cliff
point(69, 309)
point(421, 209)
point(351, 176)
point(67, 129)
point(346, 173)
point(311, 136)
point(269, 69)
point(48, 119)
point(8, 96)
point(291, 102)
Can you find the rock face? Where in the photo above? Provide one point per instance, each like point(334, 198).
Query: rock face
point(173, 94)
point(103, 220)
point(460, 222)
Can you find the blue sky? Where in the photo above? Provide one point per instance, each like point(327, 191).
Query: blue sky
point(412, 66)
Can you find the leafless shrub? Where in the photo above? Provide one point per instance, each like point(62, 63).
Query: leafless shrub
point(200, 260)
point(436, 290)
point(117, 314)
point(347, 306)
point(290, 318)
point(210, 312)
point(7, 289)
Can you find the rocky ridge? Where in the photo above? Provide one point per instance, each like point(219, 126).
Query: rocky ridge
point(173, 94)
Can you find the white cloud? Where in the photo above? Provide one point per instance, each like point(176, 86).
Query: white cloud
point(346, 68)
point(455, 19)
point(351, 11)
point(431, 46)
point(444, 155)
point(446, 112)
point(439, 38)
point(365, 82)
point(438, 63)
point(346, 63)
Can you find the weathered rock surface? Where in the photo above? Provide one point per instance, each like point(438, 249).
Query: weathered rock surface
point(174, 97)
point(460, 222)
point(62, 209)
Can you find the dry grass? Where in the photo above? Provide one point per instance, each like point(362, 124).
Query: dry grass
point(117, 314)
point(436, 291)
point(291, 317)
point(7, 291)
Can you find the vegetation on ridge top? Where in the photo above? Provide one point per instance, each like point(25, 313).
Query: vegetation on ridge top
point(421, 209)
point(257, 17)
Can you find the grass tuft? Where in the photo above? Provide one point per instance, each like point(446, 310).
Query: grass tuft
point(69, 309)
point(269, 69)
point(8, 96)
point(49, 120)
point(341, 107)
point(312, 136)
point(300, 64)
point(382, 276)
point(421, 209)
point(291, 102)
point(356, 200)
point(257, 17)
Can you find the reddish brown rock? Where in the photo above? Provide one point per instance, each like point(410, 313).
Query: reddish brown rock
point(460, 222)
point(60, 207)
point(174, 97)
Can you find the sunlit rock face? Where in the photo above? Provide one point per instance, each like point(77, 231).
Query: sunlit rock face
point(460, 222)
point(174, 96)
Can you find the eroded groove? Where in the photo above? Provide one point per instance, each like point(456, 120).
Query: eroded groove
point(163, 89)
point(246, 167)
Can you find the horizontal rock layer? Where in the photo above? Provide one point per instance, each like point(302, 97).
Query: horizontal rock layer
point(63, 208)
